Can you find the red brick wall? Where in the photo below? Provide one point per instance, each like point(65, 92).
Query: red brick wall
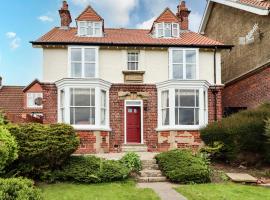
point(218, 90)
point(117, 115)
point(248, 92)
point(49, 103)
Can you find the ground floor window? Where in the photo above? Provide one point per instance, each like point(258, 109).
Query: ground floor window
point(182, 107)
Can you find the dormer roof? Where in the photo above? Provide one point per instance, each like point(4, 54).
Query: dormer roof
point(167, 16)
point(89, 14)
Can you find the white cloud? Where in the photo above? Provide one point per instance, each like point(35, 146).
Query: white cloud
point(15, 43)
point(194, 21)
point(14, 40)
point(11, 35)
point(117, 11)
point(146, 24)
point(45, 18)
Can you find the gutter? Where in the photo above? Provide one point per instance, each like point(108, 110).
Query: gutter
point(37, 44)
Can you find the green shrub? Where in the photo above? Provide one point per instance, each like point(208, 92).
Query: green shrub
point(240, 134)
point(8, 148)
point(18, 189)
point(184, 167)
point(267, 134)
point(3, 119)
point(42, 147)
point(132, 161)
point(89, 169)
point(111, 170)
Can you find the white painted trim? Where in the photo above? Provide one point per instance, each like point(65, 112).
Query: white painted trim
point(125, 118)
point(238, 5)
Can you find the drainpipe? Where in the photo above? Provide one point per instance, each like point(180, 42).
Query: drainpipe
point(214, 90)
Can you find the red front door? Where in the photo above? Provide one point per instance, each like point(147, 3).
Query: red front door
point(133, 128)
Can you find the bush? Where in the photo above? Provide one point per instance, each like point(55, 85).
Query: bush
point(90, 169)
point(8, 148)
point(267, 134)
point(42, 147)
point(3, 119)
point(132, 161)
point(18, 189)
point(240, 134)
point(184, 167)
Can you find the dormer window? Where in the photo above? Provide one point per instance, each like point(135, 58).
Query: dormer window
point(90, 29)
point(167, 30)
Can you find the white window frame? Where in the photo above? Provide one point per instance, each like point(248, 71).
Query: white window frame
point(103, 108)
point(171, 86)
point(33, 96)
point(98, 85)
point(133, 103)
point(163, 26)
point(87, 26)
point(184, 62)
point(137, 61)
point(96, 48)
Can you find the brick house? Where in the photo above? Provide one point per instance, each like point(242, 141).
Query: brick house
point(246, 68)
point(149, 90)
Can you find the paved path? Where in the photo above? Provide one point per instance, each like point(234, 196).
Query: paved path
point(164, 190)
point(117, 156)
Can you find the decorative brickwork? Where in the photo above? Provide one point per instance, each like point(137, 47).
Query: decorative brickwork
point(117, 114)
point(250, 91)
point(169, 140)
point(93, 142)
point(215, 91)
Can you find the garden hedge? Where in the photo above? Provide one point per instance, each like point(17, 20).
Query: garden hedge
point(242, 136)
point(42, 147)
point(183, 166)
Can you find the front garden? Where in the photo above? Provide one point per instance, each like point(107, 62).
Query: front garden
point(36, 163)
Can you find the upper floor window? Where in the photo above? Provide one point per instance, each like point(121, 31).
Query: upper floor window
point(34, 100)
point(90, 29)
point(183, 64)
point(83, 62)
point(133, 60)
point(167, 30)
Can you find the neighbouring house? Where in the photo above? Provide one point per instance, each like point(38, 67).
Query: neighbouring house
point(128, 89)
point(246, 68)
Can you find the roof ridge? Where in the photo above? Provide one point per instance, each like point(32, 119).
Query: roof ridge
point(167, 9)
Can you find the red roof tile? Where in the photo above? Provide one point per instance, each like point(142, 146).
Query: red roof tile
point(124, 37)
point(257, 3)
point(89, 14)
point(167, 16)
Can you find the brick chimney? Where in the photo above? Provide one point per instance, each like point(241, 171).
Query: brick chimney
point(65, 16)
point(182, 14)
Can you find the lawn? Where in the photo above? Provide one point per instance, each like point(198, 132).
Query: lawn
point(227, 191)
point(107, 191)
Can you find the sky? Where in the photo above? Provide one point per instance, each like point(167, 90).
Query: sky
point(27, 20)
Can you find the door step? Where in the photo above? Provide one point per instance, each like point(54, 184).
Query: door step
point(134, 148)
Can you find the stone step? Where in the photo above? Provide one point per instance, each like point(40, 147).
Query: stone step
point(134, 148)
point(151, 179)
point(149, 162)
point(150, 166)
point(150, 173)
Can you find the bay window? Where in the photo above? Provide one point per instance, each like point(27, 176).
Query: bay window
point(83, 62)
point(167, 30)
point(183, 64)
point(90, 29)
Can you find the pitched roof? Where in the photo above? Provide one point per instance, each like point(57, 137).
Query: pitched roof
point(123, 37)
point(89, 14)
point(167, 16)
point(257, 3)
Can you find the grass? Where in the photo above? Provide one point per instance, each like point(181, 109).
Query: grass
point(227, 191)
point(107, 191)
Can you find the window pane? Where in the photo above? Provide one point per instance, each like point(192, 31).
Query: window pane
point(191, 71)
point(92, 115)
point(177, 98)
point(197, 98)
point(103, 99)
point(89, 70)
point(82, 31)
point(196, 116)
point(90, 55)
point(176, 116)
point(131, 66)
point(178, 71)
point(187, 98)
point(97, 25)
point(177, 56)
point(80, 116)
point(165, 117)
point(76, 70)
point(93, 97)
point(191, 56)
point(80, 97)
point(165, 99)
point(97, 31)
point(103, 117)
point(62, 98)
point(186, 116)
point(90, 30)
point(76, 54)
point(168, 30)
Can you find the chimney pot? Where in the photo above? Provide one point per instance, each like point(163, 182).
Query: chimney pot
point(183, 14)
